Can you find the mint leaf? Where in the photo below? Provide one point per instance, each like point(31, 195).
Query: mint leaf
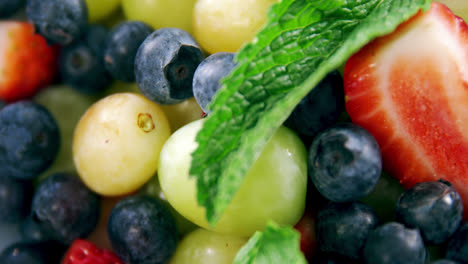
point(302, 41)
point(273, 245)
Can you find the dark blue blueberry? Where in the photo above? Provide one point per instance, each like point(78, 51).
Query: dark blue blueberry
point(142, 230)
point(321, 108)
point(46, 252)
point(343, 228)
point(121, 48)
point(81, 63)
point(393, 243)
point(207, 76)
point(444, 261)
point(15, 199)
point(65, 208)
point(165, 64)
point(32, 231)
point(328, 258)
point(345, 163)
point(434, 207)
point(59, 21)
point(29, 140)
point(457, 248)
point(9, 7)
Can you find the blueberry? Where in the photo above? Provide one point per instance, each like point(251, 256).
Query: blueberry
point(142, 230)
point(393, 243)
point(9, 7)
point(59, 21)
point(32, 253)
point(345, 163)
point(31, 230)
point(457, 248)
point(434, 207)
point(207, 76)
point(29, 140)
point(321, 108)
point(343, 228)
point(121, 48)
point(81, 63)
point(327, 258)
point(444, 261)
point(65, 208)
point(15, 199)
point(165, 64)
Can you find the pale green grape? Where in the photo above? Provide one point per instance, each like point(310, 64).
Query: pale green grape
point(274, 188)
point(161, 13)
point(207, 247)
point(225, 25)
point(100, 9)
point(117, 142)
point(182, 113)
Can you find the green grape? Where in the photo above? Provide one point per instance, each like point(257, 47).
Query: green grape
point(225, 25)
point(207, 247)
point(161, 13)
point(100, 9)
point(58, 99)
point(116, 143)
point(458, 7)
point(274, 188)
point(182, 113)
point(152, 188)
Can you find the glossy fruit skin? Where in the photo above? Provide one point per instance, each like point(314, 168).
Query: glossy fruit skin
point(15, 199)
point(98, 10)
point(457, 248)
point(207, 76)
point(435, 208)
point(29, 140)
point(65, 208)
point(81, 64)
point(321, 108)
point(9, 7)
point(121, 48)
point(85, 252)
point(344, 163)
point(342, 228)
point(59, 21)
point(161, 13)
point(142, 231)
point(225, 25)
point(117, 142)
point(28, 63)
point(392, 243)
point(202, 246)
point(412, 104)
point(165, 64)
point(46, 252)
point(268, 192)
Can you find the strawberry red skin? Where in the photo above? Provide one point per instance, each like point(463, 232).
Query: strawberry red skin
point(29, 63)
point(413, 97)
point(84, 252)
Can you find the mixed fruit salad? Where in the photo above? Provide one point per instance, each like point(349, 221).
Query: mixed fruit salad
point(233, 131)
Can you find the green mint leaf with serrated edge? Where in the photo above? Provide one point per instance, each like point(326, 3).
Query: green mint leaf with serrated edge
point(302, 42)
point(274, 245)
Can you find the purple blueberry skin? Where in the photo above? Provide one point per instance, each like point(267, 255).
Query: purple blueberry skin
point(344, 163)
point(457, 248)
point(15, 199)
point(59, 21)
point(121, 48)
point(207, 77)
point(343, 228)
point(29, 140)
point(435, 208)
point(45, 252)
point(165, 64)
point(393, 243)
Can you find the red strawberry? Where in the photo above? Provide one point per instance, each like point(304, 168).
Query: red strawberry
point(410, 90)
point(84, 252)
point(27, 62)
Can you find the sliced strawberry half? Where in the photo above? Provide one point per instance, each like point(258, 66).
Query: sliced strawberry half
point(27, 62)
point(410, 90)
